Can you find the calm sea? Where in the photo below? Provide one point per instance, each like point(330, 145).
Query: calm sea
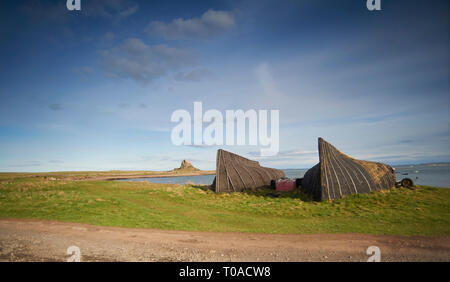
point(438, 176)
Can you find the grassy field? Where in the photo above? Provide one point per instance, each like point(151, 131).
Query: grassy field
point(103, 175)
point(424, 211)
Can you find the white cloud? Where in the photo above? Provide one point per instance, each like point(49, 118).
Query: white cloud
point(136, 60)
point(210, 24)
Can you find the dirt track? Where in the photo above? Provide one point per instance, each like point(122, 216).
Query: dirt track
point(31, 240)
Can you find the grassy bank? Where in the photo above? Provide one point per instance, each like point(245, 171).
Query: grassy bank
point(424, 211)
point(104, 175)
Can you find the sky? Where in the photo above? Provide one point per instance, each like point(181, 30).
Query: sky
point(95, 89)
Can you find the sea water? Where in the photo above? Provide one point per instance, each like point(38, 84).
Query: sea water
point(431, 175)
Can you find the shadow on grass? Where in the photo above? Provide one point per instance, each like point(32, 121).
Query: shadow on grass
point(267, 192)
point(271, 193)
point(201, 187)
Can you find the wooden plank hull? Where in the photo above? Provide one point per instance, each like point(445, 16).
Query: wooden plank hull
point(236, 174)
point(337, 175)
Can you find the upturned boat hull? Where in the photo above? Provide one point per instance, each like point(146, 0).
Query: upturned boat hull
point(337, 175)
point(236, 174)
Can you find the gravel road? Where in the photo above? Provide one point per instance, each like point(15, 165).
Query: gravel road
point(33, 240)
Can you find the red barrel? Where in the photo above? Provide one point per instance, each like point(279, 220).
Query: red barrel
point(285, 185)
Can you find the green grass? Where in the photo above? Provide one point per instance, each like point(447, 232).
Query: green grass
point(86, 175)
point(424, 211)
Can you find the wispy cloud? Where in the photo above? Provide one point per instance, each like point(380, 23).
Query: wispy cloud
point(55, 107)
point(293, 156)
point(195, 75)
point(115, 10)
point(107, 39)
point(136, 60)
point(84, 71)
point(211, 24)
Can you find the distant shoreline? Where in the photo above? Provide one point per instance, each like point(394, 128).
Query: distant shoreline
point(427, 164)
point(160, 175)
point(109, 175)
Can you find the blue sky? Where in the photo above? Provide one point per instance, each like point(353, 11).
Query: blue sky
point(95, 89)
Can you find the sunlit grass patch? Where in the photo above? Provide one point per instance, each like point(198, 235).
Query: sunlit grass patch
point(424, 211)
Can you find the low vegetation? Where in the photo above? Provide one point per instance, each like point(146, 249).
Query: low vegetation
point(103, 175)
point(424, 211)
